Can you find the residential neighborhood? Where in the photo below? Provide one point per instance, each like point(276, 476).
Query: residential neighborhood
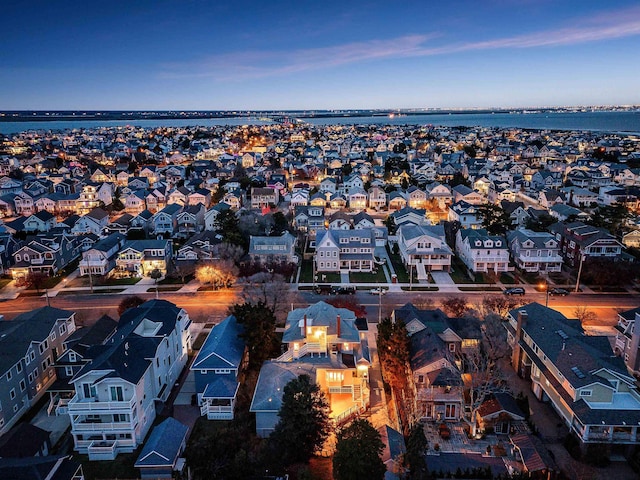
point(430, 282)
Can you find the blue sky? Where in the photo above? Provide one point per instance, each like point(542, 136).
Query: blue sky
point(199, 54)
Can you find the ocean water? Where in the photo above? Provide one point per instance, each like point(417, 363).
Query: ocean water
point(601, 121)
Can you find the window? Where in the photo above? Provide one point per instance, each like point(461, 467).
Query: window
point(120, 417)
point(68, 371)
point(19, 367)
point(63, 329)
point(585, 393)
point(12, 393)
point(23, 385)
point(53, 336)
point(452, 347)
point(420, 378)
point(88, 390)
point(72, 356)
point(9, 375)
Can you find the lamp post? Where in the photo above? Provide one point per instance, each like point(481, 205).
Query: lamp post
point(546, 291)
point(90, 275)
point(579, 272)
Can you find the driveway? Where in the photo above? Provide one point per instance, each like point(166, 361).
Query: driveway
point(442, 278)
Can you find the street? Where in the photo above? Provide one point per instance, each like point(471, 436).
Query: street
point(213, 306)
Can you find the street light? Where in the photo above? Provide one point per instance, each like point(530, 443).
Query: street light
point(546, 289)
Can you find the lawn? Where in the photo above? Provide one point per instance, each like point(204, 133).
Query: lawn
point(306, 274)
point(507, 279)
point(97, 281)
point(363, 277)
point(398, 266)
point(480, 289)
point(458, 272)
point(176, 280)
point(121, 467)
point(419, 288)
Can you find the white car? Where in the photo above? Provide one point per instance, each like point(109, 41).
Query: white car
point(378, 291)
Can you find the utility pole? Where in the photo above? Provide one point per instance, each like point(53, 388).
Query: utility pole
point(46, 294)
point(380, 305)
point(90, 275)
point(546, 289)
point(579, 273)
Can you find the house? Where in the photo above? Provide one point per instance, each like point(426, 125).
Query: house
point(577, 374)
point(114, 405)
point(43, 254)
point(211, 215)
point(627, 343)
point(179, 196)
point(142, 222)
point(134, 202)
point(340, 220)
point(345, 250)
point(160, 455)
point(377, 198)
point(409, 215)
point(466, 214)
point(416, 198)
point(270, 250)
point(562, 212)
point(58, 467)
point(464, 193)
point(578, 240)
point(30, 343)
point(94, 222)
point(358, 199)
point(631, 239)
point(397, 201)
point(264, 197)
point(25, 440)
point(424, 247)
point(200, 196)
point(321, 341)
point(440, 193)
point(73, 358)
point(550, 197)
point(100, 259)
point(216, 367)
point(141, 257)
point(482, 252)
point(190, 220)
point(41, 221)
point(580, 197)
point(393, 451)
point(120, 224)
point(534, 251)
point(165, 221)
point(499, 413)
point(89, 199)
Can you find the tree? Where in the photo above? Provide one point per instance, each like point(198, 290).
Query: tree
point(217, 273)
point(584, 315)
point(606, 271)
point(270, 290)
point(541, 223)
point(227, 224)
point(304, 421)
point(358, 453)
point(393, 349)
point(36, 280)
point(494, 219)
point(259, 331)
point(500, 304)
point(481, 364)
point(455, 306)
point(280, 224)
point(129, 302)
point(414, 457)
point(390, 223)
point(156, 274)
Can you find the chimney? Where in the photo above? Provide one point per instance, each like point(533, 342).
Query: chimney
point(338, 325)
point(516, 353)
point(304, 326)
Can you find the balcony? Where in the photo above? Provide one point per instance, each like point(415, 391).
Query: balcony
point(341, 389)
point(80, 406)
point(217, 412)
point(101, 426)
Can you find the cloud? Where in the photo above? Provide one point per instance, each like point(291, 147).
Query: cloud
point(258, 64)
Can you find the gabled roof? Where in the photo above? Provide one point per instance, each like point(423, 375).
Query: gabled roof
point(164, 445)
point(223, 347)
point(272, 380)
point(321, 314)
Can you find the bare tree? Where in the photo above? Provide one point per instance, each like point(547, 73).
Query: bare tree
point(501, 304)
point(481, 363)
point(217, 273)
point(585, 315)
point(455, 306)
point(272, 290)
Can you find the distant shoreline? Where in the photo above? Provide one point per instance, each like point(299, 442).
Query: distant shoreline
point(79, 116)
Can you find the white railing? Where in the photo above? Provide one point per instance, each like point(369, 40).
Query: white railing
point(52, 404)
point(346, 414)
point(79, 405)
point(101, 426)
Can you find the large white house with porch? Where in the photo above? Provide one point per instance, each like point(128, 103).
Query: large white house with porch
point(116, 393)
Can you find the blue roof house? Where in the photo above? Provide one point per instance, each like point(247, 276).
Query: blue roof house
point(216, 368)
point(160, 456)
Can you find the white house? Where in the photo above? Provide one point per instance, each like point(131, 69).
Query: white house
point(424, 247)
point(482, 252)
point(114, 405)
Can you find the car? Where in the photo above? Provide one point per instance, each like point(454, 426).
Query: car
point(378, 291)
point(559, 291)
point(514, 291)
point(323, 289)
point(343, 290)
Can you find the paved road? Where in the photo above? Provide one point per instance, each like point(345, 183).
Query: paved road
point(212, 306)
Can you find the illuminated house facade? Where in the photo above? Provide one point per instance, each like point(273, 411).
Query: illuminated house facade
point(323, 342)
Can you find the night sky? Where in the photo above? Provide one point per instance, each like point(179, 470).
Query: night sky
point(205, 55)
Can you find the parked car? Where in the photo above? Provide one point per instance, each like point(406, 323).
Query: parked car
point(325, 289)
point(343, 290)
point(514, 291)
point(378, 291)
point(559, 291)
